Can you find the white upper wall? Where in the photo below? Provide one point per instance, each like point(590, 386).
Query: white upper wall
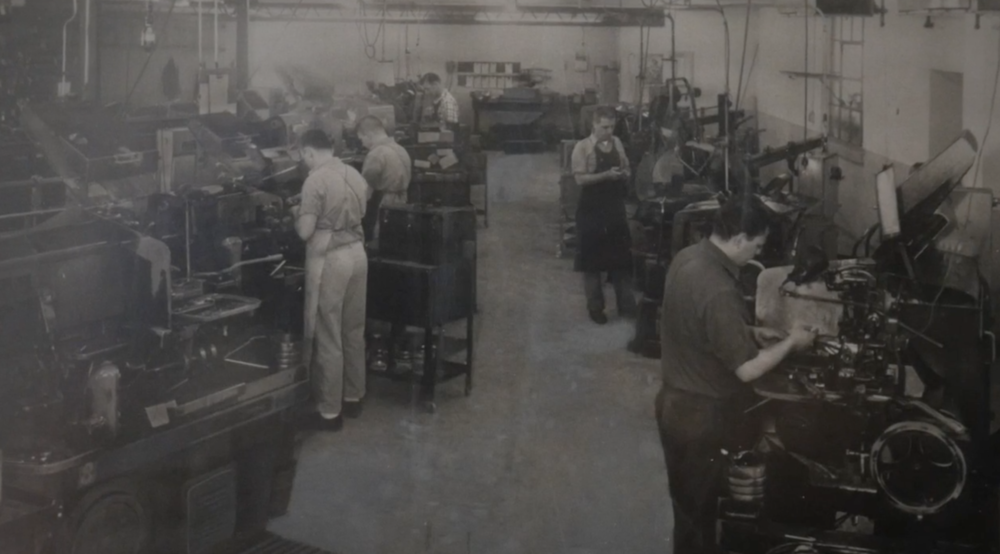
point(339, 49)
point(701, 51)
point(898, 60)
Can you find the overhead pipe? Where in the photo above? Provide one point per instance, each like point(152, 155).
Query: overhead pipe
point(673, 48)
point(805, 80)
point(743, 58)
point(724, 114)
point(65, 27)
point(201, 60)
point(216, 40)
point(86, 43)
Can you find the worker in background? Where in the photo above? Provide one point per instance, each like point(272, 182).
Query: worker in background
point(668, 171)
point(387, 169)
point(329, 220)
point(710, 351)
point(601, 169)
point(439, 106)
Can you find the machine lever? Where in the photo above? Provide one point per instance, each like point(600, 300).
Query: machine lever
point(234, 267)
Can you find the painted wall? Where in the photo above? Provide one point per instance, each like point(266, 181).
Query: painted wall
point(337, 49)
point(898, 63)
point(336, 52)
point(122, 58)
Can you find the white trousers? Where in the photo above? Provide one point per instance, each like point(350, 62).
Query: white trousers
point(334, 341)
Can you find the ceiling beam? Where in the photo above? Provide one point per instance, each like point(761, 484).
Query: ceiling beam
point(440, 14)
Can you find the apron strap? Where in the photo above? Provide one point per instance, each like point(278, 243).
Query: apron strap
point(357, 197)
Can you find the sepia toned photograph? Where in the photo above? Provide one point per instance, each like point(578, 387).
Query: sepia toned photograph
point(499, 277)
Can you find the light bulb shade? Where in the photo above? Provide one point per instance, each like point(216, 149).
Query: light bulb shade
point(148, 37)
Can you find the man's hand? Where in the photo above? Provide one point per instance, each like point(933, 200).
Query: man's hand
point(768, 358)
point(294, 211)
point(802, 338)
point(765, 336)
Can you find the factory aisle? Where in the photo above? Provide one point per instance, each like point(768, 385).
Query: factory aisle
point(556, 450)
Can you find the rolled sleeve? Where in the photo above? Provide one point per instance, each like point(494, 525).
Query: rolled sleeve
point(312, 197)
point(372, 169)
point(727, 333)
point(621, 153)
point(578, 162)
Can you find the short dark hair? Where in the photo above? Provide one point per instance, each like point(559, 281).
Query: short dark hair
point(315, 138)
point(370, 123)
point(741, 215)
point(605, 112)
point(430, 79)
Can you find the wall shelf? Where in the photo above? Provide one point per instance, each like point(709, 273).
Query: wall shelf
point(808, 75)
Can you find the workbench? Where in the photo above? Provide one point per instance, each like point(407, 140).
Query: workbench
point(427, 297)
point(522, 117)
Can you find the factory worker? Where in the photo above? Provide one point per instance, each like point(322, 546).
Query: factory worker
point(710, 352)
point(668, 171)
point(387, 167)
point(601, 170)
point(439, 106)
point(329, 220)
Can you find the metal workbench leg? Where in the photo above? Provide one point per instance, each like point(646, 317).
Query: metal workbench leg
point(432, 363)
point(469, 324)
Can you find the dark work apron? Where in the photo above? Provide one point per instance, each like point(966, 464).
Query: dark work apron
point(430, 114)
point(601, 223)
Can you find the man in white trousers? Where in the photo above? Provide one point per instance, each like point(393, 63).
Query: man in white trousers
point(328, 218)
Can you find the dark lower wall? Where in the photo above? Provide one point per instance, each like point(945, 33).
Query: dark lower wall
point(31, 54)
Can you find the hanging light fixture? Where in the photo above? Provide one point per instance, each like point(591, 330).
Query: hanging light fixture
point(929, 24)
point(148, 38)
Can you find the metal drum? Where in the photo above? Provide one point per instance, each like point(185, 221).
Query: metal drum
point(747, 476)
point(288, 352)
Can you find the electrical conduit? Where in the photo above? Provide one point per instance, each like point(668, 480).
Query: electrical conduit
point(65, 27)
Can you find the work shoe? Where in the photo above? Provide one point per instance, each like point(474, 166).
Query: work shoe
point(634, 347)
point(316, 422)
point(598, 317)
point(353, 409)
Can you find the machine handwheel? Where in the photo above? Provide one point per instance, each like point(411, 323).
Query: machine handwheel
point(110, 519)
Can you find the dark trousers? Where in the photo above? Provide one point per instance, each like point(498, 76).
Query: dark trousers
point(694, 430)
point(593, 285)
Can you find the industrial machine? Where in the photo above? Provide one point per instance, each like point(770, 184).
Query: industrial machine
point(878, 439)
point(151, 378)
point(129, 391)
point(682, 217)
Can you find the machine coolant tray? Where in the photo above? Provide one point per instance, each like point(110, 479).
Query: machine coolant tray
point(214, 307)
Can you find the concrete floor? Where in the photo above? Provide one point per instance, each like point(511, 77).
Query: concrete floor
point(555, 452)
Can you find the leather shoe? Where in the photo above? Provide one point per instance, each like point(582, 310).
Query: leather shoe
point(598, 317)
point(316, 422)
point(353, 410)
point(634, 347)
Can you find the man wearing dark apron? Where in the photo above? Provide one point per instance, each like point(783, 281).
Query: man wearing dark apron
point(601, 170)
point(329, 220)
